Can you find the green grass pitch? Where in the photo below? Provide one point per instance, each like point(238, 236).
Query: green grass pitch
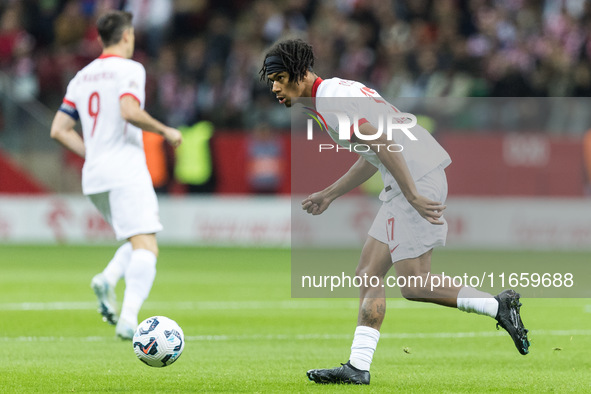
point(245, 334)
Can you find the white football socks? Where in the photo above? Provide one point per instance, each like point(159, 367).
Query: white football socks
point(139, 278)
point(116, 268)
point(472, 300)
point(364, 345)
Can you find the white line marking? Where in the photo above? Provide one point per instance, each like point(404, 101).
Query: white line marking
point(210, 305)
point(414, 335)
point(46, 306)
point(307, 337)
point(295, 303)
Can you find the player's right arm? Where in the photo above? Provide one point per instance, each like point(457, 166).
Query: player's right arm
point(396, 165)
point(359, 172)
point(62, 130)
point(132, 112)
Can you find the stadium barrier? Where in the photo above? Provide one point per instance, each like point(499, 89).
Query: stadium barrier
point(488, 164)
point(494, 223)
point(211, 221)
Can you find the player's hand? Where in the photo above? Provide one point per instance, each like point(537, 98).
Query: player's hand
point(173, 136)
point(429, 209)
point(316, 203)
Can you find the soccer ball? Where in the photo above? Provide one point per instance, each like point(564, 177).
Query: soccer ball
point(158, 341)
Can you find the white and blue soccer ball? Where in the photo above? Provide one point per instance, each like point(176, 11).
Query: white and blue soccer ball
point(158, 341)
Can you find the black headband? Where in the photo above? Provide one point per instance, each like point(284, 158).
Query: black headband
point(274, 64)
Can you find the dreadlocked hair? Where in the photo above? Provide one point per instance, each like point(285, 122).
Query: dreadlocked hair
point(297, 56)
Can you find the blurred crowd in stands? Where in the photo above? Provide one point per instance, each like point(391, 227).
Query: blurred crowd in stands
point(203, 56)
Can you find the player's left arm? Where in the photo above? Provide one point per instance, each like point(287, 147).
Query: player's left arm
point(395, 163)
point(62, 130)
point(318, 202)
point(132, 112)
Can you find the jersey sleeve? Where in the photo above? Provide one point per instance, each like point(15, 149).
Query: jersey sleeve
point(366, 106)
point(343, 99)
point(69, 102)
point(133, 83)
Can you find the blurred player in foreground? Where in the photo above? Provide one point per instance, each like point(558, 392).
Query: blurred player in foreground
point(108, 97)
point(409, 224)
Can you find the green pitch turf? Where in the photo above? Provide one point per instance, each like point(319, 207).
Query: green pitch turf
point(245, 334)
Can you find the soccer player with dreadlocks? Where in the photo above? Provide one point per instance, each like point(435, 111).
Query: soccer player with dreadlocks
point(413, 200)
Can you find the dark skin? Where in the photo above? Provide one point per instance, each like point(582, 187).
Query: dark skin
point(375, 257)
point(285, 90)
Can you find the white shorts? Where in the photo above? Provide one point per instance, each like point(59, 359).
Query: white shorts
point(399, 225)
point(130, 210)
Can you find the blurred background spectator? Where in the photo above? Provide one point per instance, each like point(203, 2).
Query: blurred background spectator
point(202, 56)
point(193, 168)
point(265, 160)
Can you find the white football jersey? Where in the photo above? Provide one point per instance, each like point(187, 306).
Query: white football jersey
point(114, 148)
point(337, 95)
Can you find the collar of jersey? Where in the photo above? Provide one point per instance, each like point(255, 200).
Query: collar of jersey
point(317, 83)
point(109, 55)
